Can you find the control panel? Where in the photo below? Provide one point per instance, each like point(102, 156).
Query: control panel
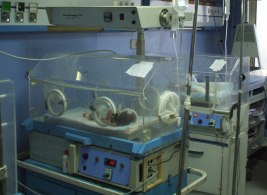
point(128, 18)
point(206, 120)
point(104, 165)
point(24, 13)
point(100, 14)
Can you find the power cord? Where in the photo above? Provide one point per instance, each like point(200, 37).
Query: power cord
point(225, 44)
point(24, 186)
point(27, 188)
point(162, 162)
point(54, 58)
point(217, 32)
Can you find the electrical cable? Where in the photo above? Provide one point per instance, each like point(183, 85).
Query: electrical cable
point(181, 37)
point(153, 40)
point(225, 45)
point(162, 162)
point(142, 99)
point(147, 102)
point(177, 61)
point(54, 58)
point(27, 188)
point(24, 186)
point(217, 32)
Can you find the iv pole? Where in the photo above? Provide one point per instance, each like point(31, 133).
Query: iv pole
point(2, 165)
point(187, 103)
point(238, 126)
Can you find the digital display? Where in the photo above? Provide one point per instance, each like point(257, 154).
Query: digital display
point(110, 162)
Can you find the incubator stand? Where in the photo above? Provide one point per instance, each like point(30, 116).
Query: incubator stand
point(214, 121)
point(112, 119)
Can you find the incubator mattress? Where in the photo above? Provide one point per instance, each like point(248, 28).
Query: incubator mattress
point(74, 119)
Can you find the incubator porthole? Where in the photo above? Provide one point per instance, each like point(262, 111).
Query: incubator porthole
point(56, 102)
point(104, 111)
point(149, 99)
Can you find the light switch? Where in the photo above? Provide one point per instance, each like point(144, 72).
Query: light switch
point(33, 10)
point(6, 9)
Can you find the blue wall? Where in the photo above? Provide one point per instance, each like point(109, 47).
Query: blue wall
point(35, 45)
point(159, 41)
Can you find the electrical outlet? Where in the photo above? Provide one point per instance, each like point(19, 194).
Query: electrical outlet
point(152, 167)
point(133, 44)
point(5, 11)
point(153, 170)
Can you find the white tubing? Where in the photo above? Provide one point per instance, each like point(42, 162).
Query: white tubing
point(169, 106)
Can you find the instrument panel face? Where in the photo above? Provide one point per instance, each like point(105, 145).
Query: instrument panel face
point(104, 165)
point(28, 13)
point(206, 120)
point(109, 18)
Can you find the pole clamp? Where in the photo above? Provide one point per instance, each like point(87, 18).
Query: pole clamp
point(3, 173)
point(187, 103)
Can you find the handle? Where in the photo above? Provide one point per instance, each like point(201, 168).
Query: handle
point(202, 178)
point(78, 138)
point(196, 152)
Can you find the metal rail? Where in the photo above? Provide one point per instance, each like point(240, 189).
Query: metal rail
point(3, 186)
point(100, 189)
point(240, 93)
point(196, 183)
point(187, 104)
point(67, 179)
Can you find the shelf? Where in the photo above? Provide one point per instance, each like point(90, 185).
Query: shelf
point(66, 178)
